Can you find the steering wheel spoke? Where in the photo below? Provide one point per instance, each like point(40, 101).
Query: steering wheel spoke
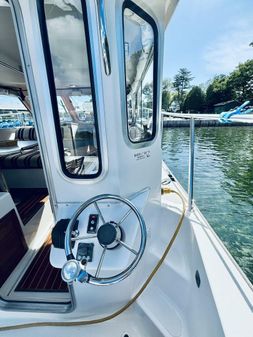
point(100, 262)
point(123, 244)
point(125, 216)
point(99, 212)
point(85, 237)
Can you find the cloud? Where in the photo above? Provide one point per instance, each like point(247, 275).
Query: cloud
point(68, 48)
point(231, 48)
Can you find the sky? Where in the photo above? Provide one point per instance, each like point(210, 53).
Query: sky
point(10, 102)
point(208, 37)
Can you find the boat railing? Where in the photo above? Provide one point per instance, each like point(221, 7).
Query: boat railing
point(192, 118)
point(191, 163)
point(191, 159)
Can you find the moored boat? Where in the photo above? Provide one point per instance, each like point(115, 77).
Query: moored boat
point(97, 237)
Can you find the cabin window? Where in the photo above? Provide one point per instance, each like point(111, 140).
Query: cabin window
point(13, 113)
point(67, 52)
point(140, 49)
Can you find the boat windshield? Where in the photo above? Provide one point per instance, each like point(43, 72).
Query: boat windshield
point(72, 91)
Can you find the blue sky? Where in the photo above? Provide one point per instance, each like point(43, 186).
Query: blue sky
point(208, 37)
point(10, 102)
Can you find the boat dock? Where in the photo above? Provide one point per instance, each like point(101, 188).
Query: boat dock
point(178, 120)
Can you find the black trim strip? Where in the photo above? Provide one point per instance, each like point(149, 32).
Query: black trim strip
point(52, 89)
point(145, 16)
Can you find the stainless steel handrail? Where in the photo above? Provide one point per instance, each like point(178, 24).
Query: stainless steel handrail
point(191, 156)
point(191, 164)
point(103, 37)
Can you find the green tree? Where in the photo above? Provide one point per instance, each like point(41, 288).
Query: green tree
point(241, 81)
point(166, 94)
point(181, 83)
point(195, 100)
point(219, 90)
point(147, 92)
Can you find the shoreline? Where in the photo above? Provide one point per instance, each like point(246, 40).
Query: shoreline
point(181, 123)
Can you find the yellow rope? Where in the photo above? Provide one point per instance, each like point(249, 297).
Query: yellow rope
point(165, 190)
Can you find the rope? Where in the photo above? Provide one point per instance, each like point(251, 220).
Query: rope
point(165, 190)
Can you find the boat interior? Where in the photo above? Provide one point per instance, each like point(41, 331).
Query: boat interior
point(95, 234)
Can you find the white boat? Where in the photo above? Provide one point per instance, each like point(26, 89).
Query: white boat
point(97, 238)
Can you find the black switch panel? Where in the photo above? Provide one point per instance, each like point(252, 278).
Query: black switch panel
point(92, 224)
point(85, 251)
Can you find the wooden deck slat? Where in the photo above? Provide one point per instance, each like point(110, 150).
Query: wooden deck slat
point(41, 276)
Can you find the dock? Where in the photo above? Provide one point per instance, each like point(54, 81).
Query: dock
point(179, 120)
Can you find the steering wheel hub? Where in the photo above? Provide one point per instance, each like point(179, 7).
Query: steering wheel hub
point(109, 234)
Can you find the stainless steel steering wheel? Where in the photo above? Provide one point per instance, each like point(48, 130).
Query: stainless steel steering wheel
point(109, 235)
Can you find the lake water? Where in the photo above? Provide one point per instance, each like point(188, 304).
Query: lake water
point(223, 182)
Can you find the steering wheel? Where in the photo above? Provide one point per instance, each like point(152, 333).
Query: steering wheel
point(109, 236)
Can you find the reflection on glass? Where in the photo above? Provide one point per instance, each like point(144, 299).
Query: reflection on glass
point(139, 65)
point(14, 113)
point(69, 55)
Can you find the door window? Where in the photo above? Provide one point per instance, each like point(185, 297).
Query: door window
point(69, 65)
point(140, 37)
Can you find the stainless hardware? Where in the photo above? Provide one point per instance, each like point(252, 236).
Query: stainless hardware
point(75, 233)
point(103, 37)
point(191, 156)
point(191, 164)
point(70, 271)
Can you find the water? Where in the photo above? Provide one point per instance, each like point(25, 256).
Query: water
point(223, 183)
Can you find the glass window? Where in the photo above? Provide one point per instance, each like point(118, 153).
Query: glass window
point(139, 43)
point(13, 113)
point(76, 120)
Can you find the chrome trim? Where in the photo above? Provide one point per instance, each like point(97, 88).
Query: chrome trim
point(77, 272)
point(100, 262)
point(125, 273)
point(99, 212)
point(103, 37)
point(191, 164)
point(128, 247)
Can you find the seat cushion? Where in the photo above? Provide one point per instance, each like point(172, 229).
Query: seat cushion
point(26, 134)
point(22, 159)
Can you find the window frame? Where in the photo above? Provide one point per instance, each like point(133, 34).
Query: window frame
point(53, 93)
point(128, 4)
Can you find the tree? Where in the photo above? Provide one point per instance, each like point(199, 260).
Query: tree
point(181, 83)
point(166, 94)
point(241, 81)
point(195, 100)
point(218, 91)
point(147, 92)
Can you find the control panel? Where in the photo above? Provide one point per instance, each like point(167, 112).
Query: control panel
point(92, 224)
point(85, 251)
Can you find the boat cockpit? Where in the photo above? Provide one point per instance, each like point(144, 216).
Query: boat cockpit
point(88, 211)
point(53, 160)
